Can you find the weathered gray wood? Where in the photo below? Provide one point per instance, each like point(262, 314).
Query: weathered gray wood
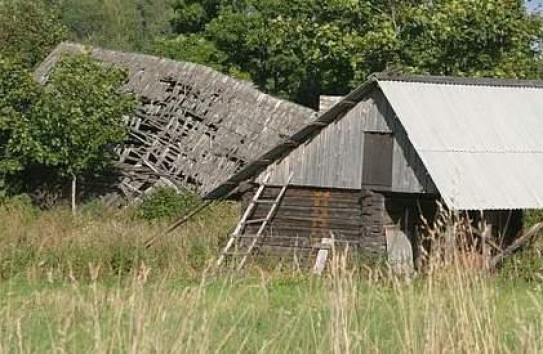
point(335, 157)
point(194, 127)
point(520, 241)
point(400, 251)
point(322, 255)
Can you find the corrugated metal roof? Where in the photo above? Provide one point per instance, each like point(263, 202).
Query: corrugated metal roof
point(481, 142)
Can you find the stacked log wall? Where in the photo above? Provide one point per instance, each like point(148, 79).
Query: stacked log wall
point(373, 216)
point(306, 215)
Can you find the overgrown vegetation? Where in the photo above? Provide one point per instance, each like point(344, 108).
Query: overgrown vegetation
point(88, 284)
point(166, 203)
point(38, 245)
point(69, 125)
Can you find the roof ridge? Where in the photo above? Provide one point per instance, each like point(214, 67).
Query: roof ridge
point(454, 80)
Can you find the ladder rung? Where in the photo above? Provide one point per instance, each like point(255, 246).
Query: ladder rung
point(265, 201)
point(248, 236)
point(255, 221)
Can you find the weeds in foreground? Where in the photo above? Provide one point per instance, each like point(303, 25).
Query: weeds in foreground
point(459, 312)
point(54, 245)
point(86, 284)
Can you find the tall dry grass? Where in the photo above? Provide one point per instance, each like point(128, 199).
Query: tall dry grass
point(53, 244)
point(66, 292)
point(460, 312)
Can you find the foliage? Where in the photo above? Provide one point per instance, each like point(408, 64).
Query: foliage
point(191, 16)
point(29, 30)
point(69, 125)
point(193, 48)
point(527, 264)
point(532, 217)
point(118, 24)
point(301, 49)
point(295, 49)
point(455, 37)
point(74, 122)
point(166, 203)
point(18, 94)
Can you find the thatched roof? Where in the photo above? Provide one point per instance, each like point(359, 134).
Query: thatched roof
point(195, 127)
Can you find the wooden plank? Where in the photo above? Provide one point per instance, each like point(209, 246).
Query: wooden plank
point(294, 192)
point(322, 256)
point(320, 213)
point(293, 230)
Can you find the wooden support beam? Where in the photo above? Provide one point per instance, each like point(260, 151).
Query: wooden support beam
point(522, 240)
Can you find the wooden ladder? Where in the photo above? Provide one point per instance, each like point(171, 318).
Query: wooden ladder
point(238, 235)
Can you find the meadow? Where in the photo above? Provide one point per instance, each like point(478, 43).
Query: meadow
point(88, 284)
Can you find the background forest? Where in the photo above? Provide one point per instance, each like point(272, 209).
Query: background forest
point(296, 49)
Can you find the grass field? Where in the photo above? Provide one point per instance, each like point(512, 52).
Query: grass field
point(87, 284)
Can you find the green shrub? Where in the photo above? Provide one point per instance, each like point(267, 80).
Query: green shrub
point(97, 209)
point(166, 203)
point(20, 202)
point(526, 264)
point(532, 217)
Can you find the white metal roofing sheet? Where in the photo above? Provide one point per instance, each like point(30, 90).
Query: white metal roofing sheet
point(482, 145)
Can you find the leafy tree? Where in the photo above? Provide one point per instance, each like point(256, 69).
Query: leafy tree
point(455, 37)
point(29, 30)
point(73, 124)
point(116, 24)
point(197, 49)
point(191, 16)
point(193, 48)
point(297, 49)
point(300, 49)
point(18, 93)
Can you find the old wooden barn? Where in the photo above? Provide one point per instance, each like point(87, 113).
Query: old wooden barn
point(195, 127)
point(380, 159)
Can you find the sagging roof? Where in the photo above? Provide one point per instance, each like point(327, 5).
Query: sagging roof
point(195, 127)
point(479, 139)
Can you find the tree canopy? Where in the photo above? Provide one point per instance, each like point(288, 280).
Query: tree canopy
point(29, 30)
point(69, 125)
point(300, 49)
point(296, 49)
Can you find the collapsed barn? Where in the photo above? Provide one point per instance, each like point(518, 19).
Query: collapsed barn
point(194, 127)
point(374, 164)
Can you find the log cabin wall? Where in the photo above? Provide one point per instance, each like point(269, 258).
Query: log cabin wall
point(306, 215)
point(355, 217)
point(373, 216)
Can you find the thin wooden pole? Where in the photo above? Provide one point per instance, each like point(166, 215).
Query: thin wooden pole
point(178, 223)
point(74, 191)
point(532, 233)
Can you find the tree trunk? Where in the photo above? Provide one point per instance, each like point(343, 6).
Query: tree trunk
point(74, 189)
